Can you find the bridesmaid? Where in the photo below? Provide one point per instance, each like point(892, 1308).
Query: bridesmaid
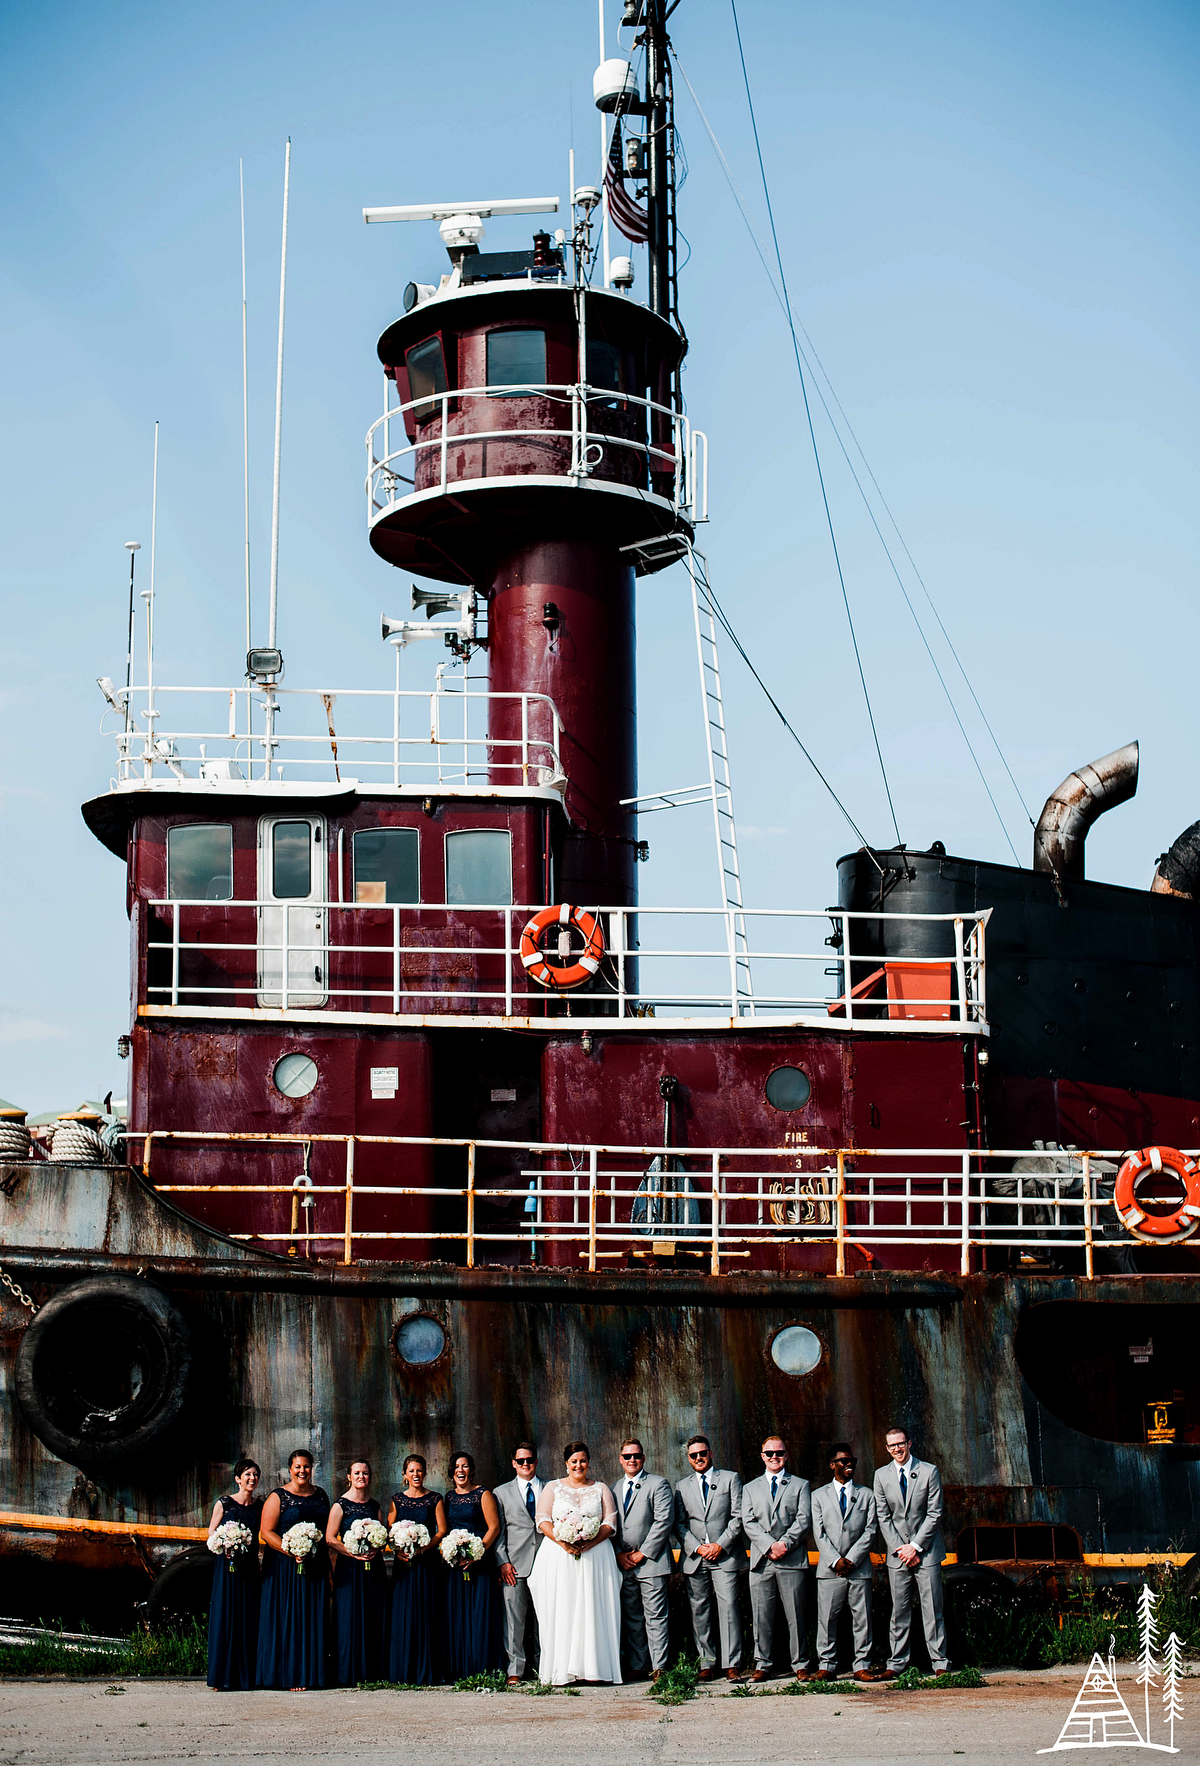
point(292, 1629)
point(413, 1655)
point(233, 1612)
point(359, 1585)
point(473, 1624)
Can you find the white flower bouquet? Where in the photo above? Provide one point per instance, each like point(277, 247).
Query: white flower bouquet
point(573, 1528)
point(231, 1539)
point(462, 1550)
point(301, 1541)
point(365, 1536)
point(408, 1538)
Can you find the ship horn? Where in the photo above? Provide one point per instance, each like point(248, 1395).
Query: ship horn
point(1070, 810)
point(1178, 871)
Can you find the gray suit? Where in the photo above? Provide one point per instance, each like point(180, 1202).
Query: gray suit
point(913, 1520)
point(778, 1582)
point(847, 1537)
point(518, 1545)
point(719, 1523)
point(646, 1527)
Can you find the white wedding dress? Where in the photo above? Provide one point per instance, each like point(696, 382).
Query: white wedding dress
point(577, 1600)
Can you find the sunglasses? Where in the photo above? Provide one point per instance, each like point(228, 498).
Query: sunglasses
point(702, 1453)
point(633, 1456)
point(843, 1461)
point(524, 1460)
point(774, 1453)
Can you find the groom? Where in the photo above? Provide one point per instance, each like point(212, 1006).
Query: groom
point(516, 1549)
point(645, 1513)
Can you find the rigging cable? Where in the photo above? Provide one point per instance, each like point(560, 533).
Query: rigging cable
point(820, 372)
point(811, 431)
point(723, 622)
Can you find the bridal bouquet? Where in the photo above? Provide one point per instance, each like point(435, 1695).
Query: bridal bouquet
point(301, 1541)
point(570, 1529)
point(365, 1536)
point(408, 1538)
point(231, 1538)
point(461, 1549)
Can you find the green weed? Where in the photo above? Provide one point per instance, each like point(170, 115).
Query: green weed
point(677, 1684)
point(175, 1653)
point(913, 1681)
point(494, 1680)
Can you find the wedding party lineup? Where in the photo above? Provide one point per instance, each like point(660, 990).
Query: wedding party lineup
point(566, 1578)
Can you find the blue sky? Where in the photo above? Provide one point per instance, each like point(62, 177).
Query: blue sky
point(988, 221)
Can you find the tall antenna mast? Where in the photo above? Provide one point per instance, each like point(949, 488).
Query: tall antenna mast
point(245, 408)
point(148, 597)
point(603, 161)
point(287, 173)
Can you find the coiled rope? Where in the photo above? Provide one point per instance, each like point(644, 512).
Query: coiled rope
point(14, 1142)
point(75, 1143)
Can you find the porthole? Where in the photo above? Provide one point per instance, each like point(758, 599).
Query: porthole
point(795, 1350)
point(419, 1339)
point(788, 1088)
point(295, 1075)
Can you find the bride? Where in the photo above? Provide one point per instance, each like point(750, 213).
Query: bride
point(575, 1584)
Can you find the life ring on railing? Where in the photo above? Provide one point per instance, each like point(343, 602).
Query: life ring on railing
point(1182, 1221)
point(565, 975)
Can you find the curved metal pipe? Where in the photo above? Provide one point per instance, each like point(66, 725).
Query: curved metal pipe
point(1070, 810)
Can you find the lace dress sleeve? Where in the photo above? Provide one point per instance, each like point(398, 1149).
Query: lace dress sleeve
point(608, 1507)
point(545, 1503)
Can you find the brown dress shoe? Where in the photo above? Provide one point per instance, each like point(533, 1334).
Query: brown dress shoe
point(822, 1674)
point(884, 1674)
point(802, 1674)
point(870, 1674)
point(940, 1673)
point(514, 1680)
point(733, 1674)
point(759, 1674)
point(705, 1674)
point(654, 1674)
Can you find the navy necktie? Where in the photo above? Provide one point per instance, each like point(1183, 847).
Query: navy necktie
point(704, 1487)
point(842, 1500)
point(774, 1488)
point(530, 1500)
point(630, 1487)
point(903, 1486)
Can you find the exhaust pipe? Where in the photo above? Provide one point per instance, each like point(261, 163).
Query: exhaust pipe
point(1178, 871)
point(1069, 812)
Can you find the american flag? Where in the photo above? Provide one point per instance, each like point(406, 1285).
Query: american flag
point(633, 221)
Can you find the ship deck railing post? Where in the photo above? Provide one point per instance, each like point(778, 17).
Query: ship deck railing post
point(445, 437)
point(524, 739)
point(960, 971)
point(841, 1212)
point(470, 1204)
point(1089, 1257)
point(616, 936)
point(348, 1251)
point(715, 1265)
point(175, 954)
point(147, 1143)
point(287, 955)
point(593, 1157)
point(396, 961)
point(508, 962)
point(964, 1267)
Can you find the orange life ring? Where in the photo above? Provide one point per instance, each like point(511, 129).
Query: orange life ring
point(1182, 1222)
point(568, 974)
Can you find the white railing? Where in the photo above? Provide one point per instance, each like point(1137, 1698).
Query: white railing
point(588, 1201)
point(305, 734)
point(660, 962)
point(442, 423)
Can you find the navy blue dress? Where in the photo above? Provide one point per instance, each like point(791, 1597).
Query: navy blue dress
point(360, 1605)
point(292, 1621)
point(233, 1610)
point(414, 1658)
point(474, 1635)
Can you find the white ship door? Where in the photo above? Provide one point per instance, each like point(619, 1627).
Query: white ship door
point(291, 917)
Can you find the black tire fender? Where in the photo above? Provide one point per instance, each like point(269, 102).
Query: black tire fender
point(183, 1587)
point(103, 1370)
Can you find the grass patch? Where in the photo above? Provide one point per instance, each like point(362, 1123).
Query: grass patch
point(676, 1685)
point(795, 1689)
point(177, 1653)
point(1020, 1628)
point(911, 1680)
point(539, 1689)
point(494, 1680)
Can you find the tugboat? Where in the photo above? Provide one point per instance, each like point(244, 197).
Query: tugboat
point(436, 1133)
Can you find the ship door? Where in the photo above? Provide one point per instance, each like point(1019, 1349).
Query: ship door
point(291, 916)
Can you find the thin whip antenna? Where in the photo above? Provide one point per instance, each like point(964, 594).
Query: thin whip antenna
point(287, 172)
point(603, 162)
point(245, 407)
point(150, 593)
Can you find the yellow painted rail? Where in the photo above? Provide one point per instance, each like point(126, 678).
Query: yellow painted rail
point(68, 1524)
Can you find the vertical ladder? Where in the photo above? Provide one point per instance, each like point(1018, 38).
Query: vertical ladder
point(720, 782)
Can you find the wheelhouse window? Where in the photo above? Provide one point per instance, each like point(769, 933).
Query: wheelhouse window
point(200, 863)
point(516, 359)
point(605, 368)
point(291, 861)
point(479, 867)
point(426, 365)
point(386, 866)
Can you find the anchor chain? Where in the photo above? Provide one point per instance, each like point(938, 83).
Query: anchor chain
point(17, 1292)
